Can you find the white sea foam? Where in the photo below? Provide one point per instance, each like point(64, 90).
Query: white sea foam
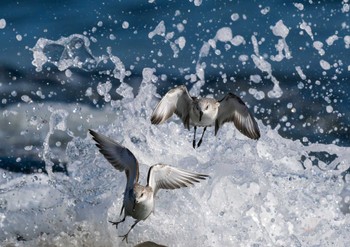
point(74, 52)
point(307, 28)
point(273, 191)
point(300, 72)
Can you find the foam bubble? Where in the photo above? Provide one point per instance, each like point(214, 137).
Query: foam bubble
point(325, 65)
point(280, 29)
point(2, 23)
point(234, 16)
point(224, 34)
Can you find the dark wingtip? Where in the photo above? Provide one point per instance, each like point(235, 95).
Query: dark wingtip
point(203, 176)
point(256, 132)
point(256, 136)
point(93, 134)
point(94, 137)
point(252, 135)
point(155, 119)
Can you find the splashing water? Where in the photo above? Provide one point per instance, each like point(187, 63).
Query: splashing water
point(268, 192)
point(74, 52)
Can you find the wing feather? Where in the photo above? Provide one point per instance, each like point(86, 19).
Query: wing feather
point(120, 157)
point(233, 109)
point(177, 101)
point(162, 176)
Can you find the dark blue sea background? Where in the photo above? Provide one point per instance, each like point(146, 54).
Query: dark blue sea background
point(102, 22)
point(27, 21)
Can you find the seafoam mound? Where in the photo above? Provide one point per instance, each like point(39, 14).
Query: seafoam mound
point(270, 192)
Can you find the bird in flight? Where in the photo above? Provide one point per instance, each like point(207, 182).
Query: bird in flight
point(205, 112)
point(138, 199)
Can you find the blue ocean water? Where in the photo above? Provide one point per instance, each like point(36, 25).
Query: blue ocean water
point(125, 26)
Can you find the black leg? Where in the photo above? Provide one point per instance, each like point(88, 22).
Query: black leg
point(194, 137)
point(125, 237)
point(121, 211)
point(116, 223)
point(200, 141)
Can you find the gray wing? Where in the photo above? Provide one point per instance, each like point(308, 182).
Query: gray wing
point(233, 109)
point(120, 157)
point(177, 101)
point(162, 176)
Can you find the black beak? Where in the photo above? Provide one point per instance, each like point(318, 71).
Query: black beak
point(200, 115)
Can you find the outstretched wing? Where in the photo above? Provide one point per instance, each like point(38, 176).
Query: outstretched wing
point(162, 176)
point(120, 157)
point(177, 101)
point(233, 109)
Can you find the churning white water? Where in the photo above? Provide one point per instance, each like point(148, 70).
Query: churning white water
point(270, 192)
